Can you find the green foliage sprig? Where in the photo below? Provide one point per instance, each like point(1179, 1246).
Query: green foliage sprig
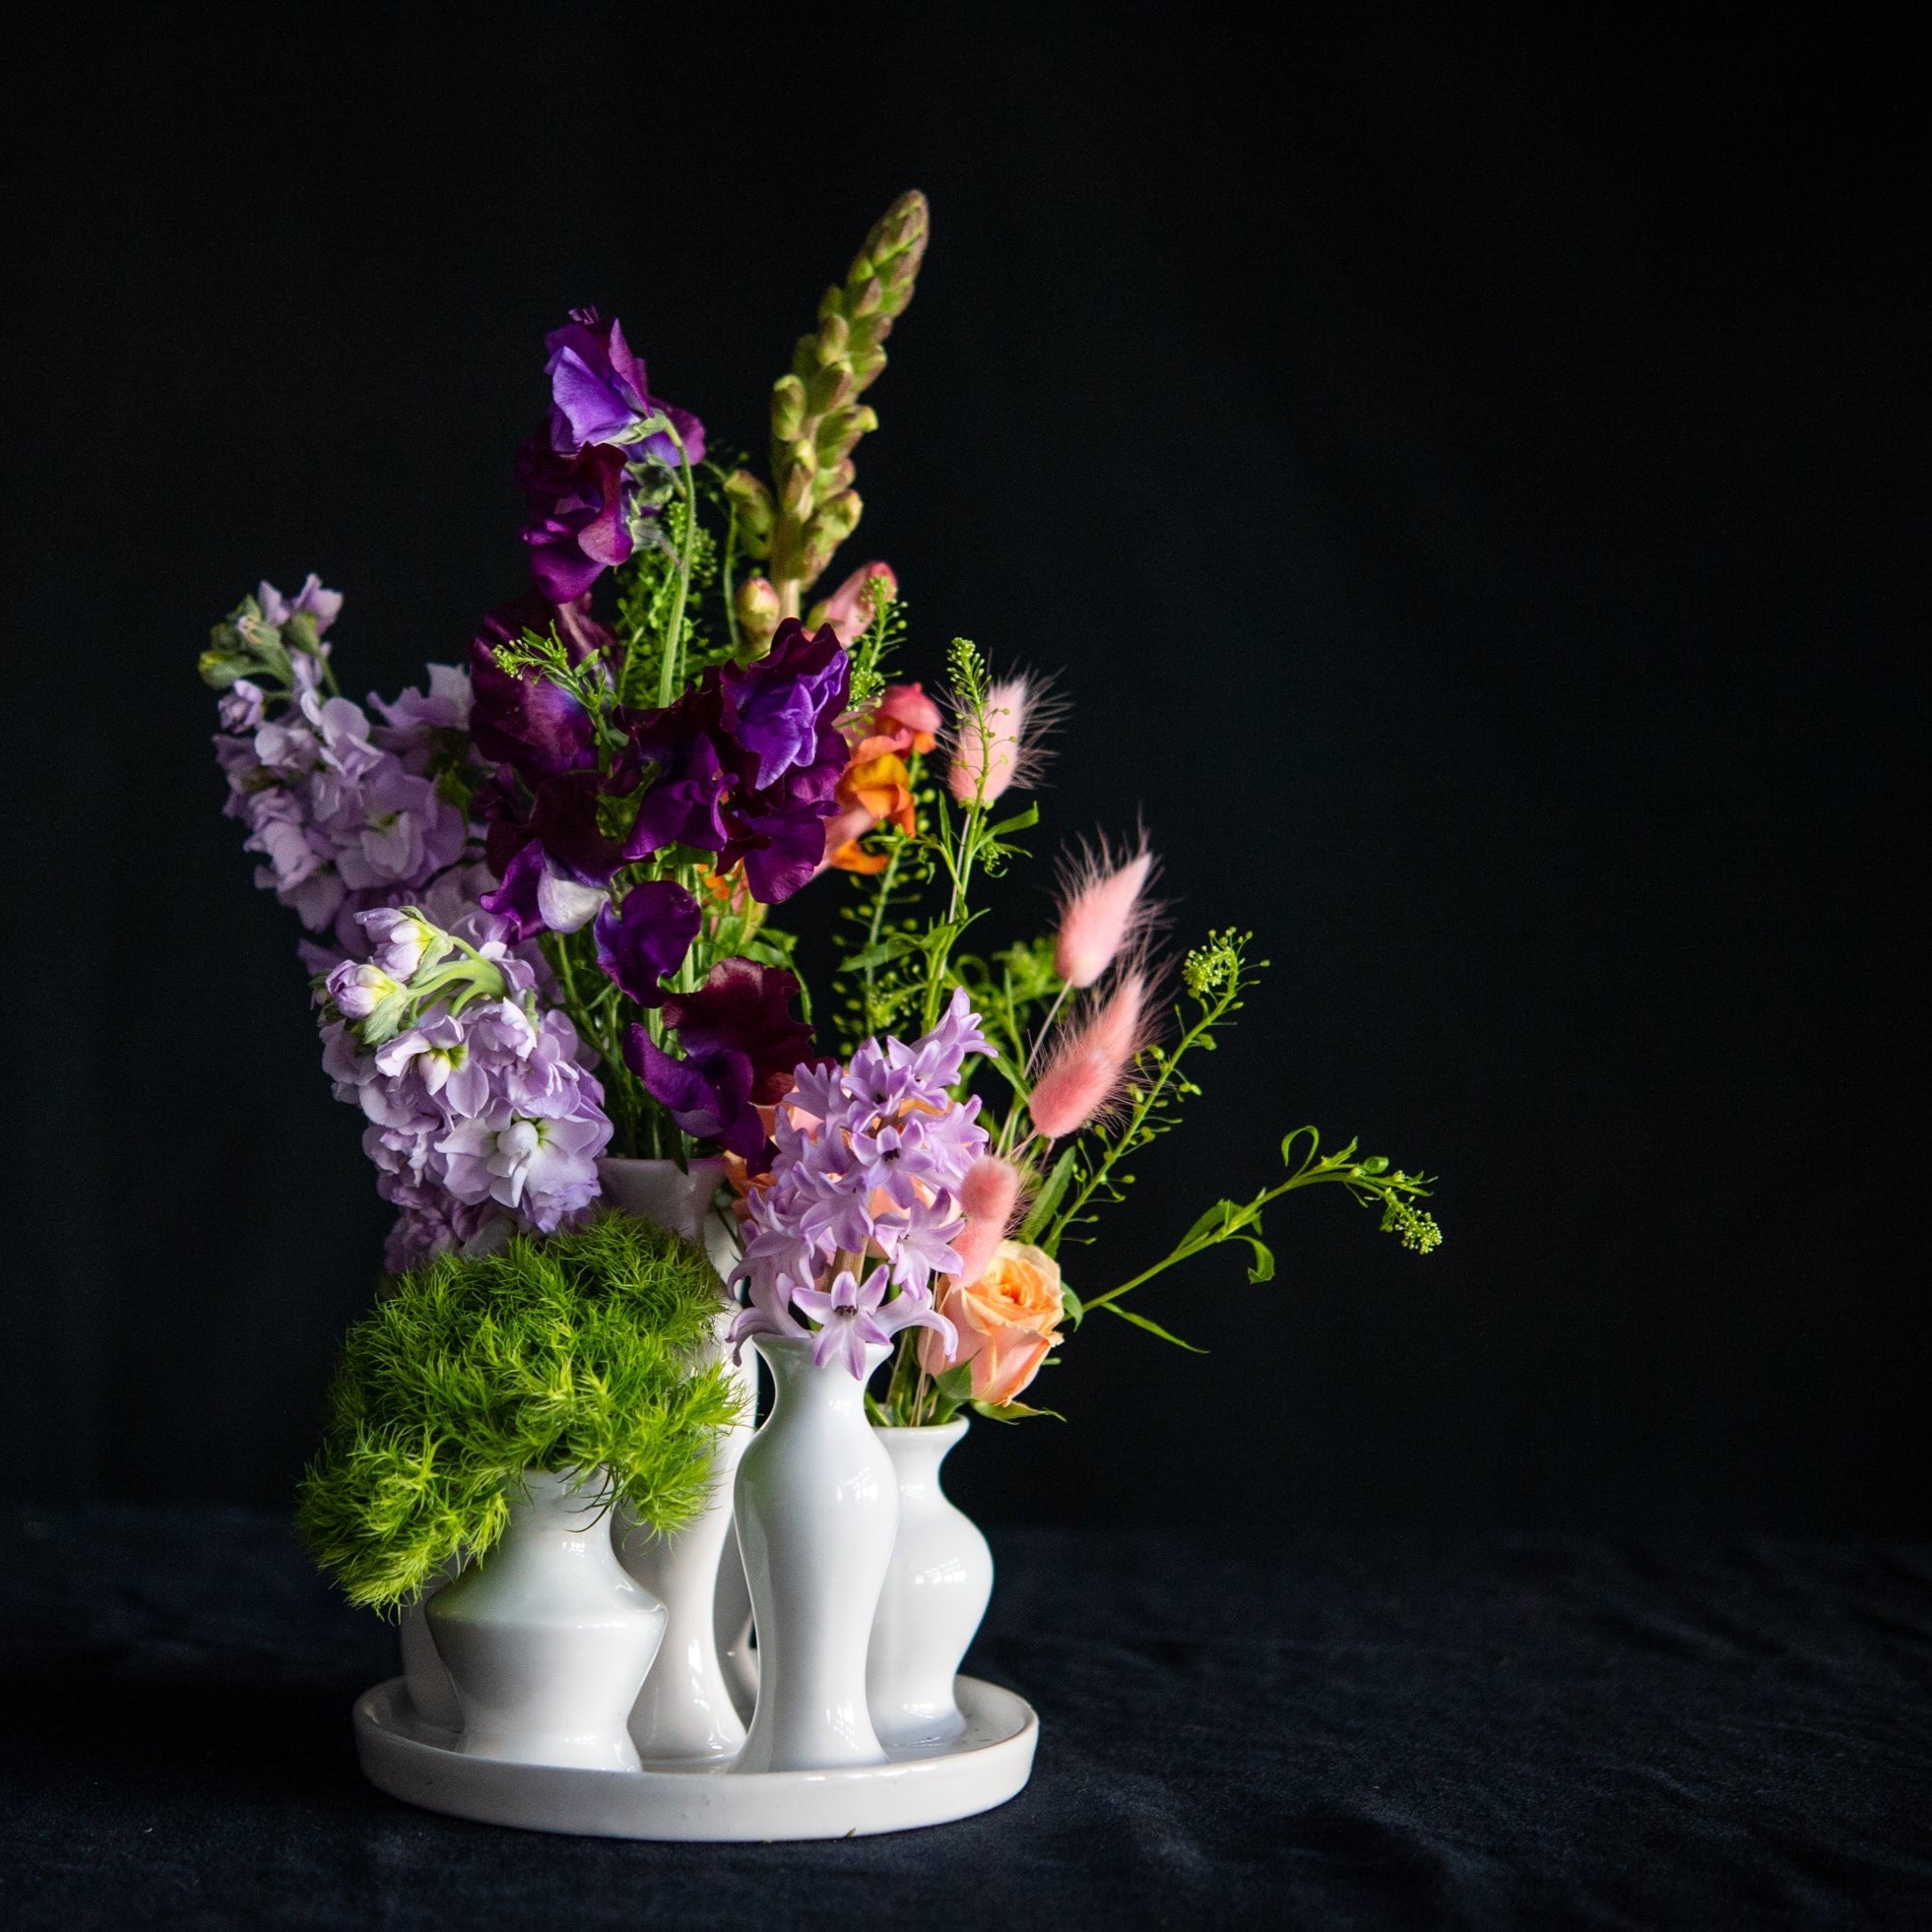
point(575, 1352)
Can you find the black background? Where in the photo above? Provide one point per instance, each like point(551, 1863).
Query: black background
point(1468, 479)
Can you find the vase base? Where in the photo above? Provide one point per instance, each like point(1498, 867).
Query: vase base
point(925, 1784)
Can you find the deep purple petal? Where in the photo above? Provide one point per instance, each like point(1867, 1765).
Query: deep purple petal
point(528, 722)
point(565, 819)
point(708, 1096)
point(515, 899)
point(745, 1008)
point(647, 938)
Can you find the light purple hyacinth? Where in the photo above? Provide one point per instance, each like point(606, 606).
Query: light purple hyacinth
point(870, 1160)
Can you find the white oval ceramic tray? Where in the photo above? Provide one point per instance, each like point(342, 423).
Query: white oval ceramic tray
point(928, 1784)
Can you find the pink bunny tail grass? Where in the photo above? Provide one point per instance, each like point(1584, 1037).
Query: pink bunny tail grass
point(1009, 751)
point(975, 1245)
point(1089, 1064)
point(988, 1197)
point(1103, 911)
point(991, 1190)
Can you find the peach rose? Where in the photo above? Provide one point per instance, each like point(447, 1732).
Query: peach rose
point(1005, 1321)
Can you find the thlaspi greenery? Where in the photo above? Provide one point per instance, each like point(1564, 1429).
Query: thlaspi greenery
point(576, 1352)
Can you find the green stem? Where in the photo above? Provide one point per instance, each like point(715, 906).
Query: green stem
point(671, 670)
point(730, 575)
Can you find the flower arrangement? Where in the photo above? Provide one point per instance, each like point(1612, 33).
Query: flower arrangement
point(539, 898)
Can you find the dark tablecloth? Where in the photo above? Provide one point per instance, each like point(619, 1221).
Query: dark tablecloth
point(1522, 1731)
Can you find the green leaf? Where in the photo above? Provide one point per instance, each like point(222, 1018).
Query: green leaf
point(1212, 1225)
point(1262, 1268)
point(1071, 1305)
point(1152, 1327)
point(956, 1384)
point(1013, 1412)
point(1049, 1199)
point(1019, 822)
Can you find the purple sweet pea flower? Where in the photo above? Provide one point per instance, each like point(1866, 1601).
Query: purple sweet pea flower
point(537, 895)
point(578, 527)
point(685, 800)
point(647, 938)
point(779, 835)
point(598, 394)
point(776, 707)
point(739, 1043)
point(529, 723)
point(710, 1099)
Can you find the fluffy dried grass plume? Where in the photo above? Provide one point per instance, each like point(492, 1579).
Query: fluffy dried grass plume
point(988, 1197)
point(1104, 910)
point(1009, 748)
point(1086, 1072)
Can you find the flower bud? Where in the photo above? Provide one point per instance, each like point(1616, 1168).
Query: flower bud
point(752, 502)
point(758, 613)
point(359, 987)
point(399, 940)
point(831, 338)
point(788, 408)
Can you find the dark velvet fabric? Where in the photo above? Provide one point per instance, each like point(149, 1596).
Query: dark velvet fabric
point(1533, 1732)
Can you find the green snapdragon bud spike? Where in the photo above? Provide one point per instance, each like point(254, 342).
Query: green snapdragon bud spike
point(817, 420)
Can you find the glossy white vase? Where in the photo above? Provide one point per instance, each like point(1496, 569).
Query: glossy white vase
point(818, 1511)
point(686, 1712)
point(547, 1639)
point(935, 1594)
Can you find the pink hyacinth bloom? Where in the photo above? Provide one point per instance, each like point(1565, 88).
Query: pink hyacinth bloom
point(1007, 751)
point(1091, 1061)
point(1102, 911)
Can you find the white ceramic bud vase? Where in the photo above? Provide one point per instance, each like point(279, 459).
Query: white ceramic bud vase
point(936, 1593)
point(546, 1639)
point(686, 1711)
point(430, 1691)
point(817, 1511)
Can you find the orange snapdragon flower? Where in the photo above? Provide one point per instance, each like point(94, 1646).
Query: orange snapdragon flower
point(877, 786)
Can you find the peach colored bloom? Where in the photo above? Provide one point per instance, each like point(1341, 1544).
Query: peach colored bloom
point(1007, 1323)
point(910, 718)
point(852, 607)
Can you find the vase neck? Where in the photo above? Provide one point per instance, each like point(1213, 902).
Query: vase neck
point(571, 1502)
point(918, 1453)
point(798, 1382)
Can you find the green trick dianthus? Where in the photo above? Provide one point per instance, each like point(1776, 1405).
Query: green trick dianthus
point(573, 1352)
